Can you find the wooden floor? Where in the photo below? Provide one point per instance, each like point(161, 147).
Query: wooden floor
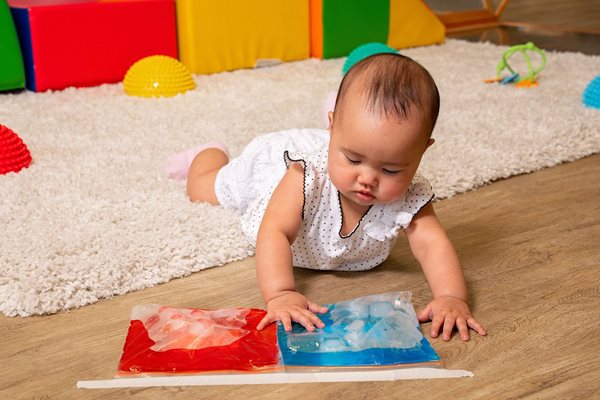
point(530, 246)
point(579, 15)
point(551, 24)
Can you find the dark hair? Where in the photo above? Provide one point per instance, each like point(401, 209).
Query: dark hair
point(394, 85)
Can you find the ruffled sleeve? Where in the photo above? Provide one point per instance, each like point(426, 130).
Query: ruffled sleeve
point(313, 165)
point(253, 216)
point(398, 215)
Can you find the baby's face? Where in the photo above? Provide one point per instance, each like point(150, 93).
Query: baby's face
point(373, 159)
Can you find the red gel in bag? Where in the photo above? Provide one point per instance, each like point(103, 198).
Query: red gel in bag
point(171, 340)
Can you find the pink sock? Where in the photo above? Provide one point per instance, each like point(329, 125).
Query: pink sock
point(177, 165)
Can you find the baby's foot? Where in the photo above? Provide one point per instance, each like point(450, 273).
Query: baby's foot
point(177, 165)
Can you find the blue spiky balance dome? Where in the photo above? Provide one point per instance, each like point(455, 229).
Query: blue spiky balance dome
point(364, 51)
point(591, 94)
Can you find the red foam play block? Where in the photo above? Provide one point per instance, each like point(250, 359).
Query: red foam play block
point(90, 42)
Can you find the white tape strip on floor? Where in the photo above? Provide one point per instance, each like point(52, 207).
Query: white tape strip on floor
point(282, 377)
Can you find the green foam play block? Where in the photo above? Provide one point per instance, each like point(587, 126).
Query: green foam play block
point(350, 23)
point(12, 72)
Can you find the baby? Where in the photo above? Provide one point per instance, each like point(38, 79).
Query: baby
point(336, 200)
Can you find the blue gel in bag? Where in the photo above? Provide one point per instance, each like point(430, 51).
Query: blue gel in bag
point(377, 330)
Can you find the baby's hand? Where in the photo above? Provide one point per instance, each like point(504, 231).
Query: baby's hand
point(292, 306)
point(449, 311)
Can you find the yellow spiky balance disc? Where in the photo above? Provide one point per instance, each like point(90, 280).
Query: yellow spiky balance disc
point(158, 76)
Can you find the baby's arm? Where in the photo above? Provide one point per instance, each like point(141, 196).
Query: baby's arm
point(274, 269)
point(434, 251)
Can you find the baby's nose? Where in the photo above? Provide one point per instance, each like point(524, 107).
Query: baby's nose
point(367, 178)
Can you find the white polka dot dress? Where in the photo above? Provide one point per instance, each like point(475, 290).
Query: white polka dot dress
point(260, 167)
point(319, 243)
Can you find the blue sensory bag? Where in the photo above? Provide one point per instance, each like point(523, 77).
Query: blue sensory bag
point(376, 330)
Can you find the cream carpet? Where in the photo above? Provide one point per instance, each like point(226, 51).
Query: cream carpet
point(93, 217)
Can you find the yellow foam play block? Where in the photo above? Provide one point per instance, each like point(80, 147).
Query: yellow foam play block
point(413, 23)
point(217, 36)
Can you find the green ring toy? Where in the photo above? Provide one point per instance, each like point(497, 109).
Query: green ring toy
point(524, 49)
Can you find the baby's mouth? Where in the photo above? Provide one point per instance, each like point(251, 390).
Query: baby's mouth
point(365, 196)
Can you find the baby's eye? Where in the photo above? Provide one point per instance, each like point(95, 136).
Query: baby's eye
point(391, 172)
point(352, 161)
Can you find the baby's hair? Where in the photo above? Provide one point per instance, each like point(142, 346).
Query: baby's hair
point(394, 85)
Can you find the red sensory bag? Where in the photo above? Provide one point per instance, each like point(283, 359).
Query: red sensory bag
point(164, 339)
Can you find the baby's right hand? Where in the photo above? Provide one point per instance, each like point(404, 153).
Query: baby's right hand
point(291, 306)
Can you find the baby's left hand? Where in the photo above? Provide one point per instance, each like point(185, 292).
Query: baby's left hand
point(448, 311)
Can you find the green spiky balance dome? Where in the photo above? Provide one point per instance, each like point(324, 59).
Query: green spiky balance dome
point(364, 51)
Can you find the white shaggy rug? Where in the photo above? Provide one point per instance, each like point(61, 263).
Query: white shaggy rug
point(93, 216)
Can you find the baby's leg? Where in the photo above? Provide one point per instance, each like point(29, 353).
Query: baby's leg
point(178, 165)
point(202, 175)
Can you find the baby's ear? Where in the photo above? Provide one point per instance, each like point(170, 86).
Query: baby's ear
point(430, 142)
point(330, 118)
